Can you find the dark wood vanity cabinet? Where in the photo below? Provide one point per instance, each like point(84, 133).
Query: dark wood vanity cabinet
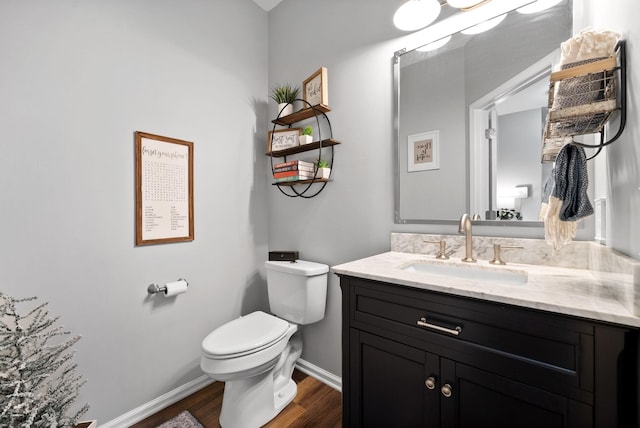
point(416, 358)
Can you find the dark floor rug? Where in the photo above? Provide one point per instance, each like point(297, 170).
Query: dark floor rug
point(183, 420)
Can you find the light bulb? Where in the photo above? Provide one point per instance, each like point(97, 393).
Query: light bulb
point(484, 26)
point(416, 14)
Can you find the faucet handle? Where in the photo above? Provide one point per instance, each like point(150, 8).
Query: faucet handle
point(442, 254)
point(496, 252)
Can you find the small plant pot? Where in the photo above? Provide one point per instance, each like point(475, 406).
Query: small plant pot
point(305, 139)
point(285, 109)
point(323, 173)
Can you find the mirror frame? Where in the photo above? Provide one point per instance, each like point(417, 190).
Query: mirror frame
point(397, 166)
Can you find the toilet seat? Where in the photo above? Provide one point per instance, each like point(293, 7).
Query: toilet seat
point(245, 335)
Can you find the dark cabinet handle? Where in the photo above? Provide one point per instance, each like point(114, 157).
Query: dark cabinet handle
point(422, 322)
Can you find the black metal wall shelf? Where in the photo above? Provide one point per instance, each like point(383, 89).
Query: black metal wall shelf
point(303, 114)
point(294, 183)
point(593, 115)
point(311, 187)
point(300, 149)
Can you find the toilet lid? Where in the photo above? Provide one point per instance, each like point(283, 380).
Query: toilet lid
point(244, 335)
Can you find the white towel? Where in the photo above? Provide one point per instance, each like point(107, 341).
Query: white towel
point(557, 233)
point(589, 44)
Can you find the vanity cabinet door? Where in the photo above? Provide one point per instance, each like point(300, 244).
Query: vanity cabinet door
point(480, 399)
point(395, 385)
point(507, 367)
point(389, 384)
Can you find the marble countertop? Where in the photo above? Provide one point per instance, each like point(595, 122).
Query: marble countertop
point(569, 291)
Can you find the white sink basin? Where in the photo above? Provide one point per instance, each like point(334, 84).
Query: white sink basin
point(485, 273)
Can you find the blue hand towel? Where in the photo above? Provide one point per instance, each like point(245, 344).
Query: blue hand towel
point(571, 183)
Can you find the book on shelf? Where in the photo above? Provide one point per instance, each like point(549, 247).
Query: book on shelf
point(293, 163)
point(294, 168)
point(293, 178)
point(291, 173)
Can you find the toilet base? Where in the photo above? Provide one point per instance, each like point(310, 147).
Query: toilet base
point(285, 396)
point(253, 401)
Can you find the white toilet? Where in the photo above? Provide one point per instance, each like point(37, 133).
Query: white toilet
point(255, 354)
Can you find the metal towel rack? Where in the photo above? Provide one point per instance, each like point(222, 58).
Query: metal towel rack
point(564, 122)
point(622, 68)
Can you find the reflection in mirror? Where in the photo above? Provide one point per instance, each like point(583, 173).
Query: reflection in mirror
point(477, 104)
point(505, 128)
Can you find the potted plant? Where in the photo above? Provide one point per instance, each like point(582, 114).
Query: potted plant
point(306, 136)
point(284, 95)
point(324, 169)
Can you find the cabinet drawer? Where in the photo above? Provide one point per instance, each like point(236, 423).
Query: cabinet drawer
point(531, 346)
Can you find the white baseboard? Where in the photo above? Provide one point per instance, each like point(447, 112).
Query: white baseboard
point(157, 404)
point(322, 375)
point(175, 395)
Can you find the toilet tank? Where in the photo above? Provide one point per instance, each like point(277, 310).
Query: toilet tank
point(297, 290)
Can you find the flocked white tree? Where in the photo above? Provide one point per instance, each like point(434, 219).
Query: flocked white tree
point(38, 380)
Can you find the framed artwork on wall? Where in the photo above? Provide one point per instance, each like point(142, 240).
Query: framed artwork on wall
point(164, 189)
point(281, 139)
point(423, 151)
point(315, 88)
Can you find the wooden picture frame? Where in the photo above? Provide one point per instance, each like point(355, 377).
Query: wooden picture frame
point(315, 89)
point(164, 189)
point(282, 139)
point(423, 151)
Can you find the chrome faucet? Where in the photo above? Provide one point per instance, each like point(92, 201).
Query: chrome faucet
point(465, 229)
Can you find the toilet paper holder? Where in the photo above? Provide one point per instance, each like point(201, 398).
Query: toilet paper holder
point(155, 288)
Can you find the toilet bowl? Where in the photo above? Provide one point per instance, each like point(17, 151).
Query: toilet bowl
point(255, 354)
point(245, 346)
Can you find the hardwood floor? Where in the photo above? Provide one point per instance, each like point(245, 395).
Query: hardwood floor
point(315, 405)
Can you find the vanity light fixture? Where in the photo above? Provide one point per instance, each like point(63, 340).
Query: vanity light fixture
point(461, 20)
point(484, 26)
point(538, 6)
point(434, 45)
point(416, 14)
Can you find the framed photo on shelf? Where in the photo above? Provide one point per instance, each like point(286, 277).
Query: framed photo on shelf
point(164, 189)
point(281, 139)
point(423, 151)
point(315, 89)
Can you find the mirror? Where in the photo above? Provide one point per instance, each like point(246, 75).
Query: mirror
point(469, 118)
